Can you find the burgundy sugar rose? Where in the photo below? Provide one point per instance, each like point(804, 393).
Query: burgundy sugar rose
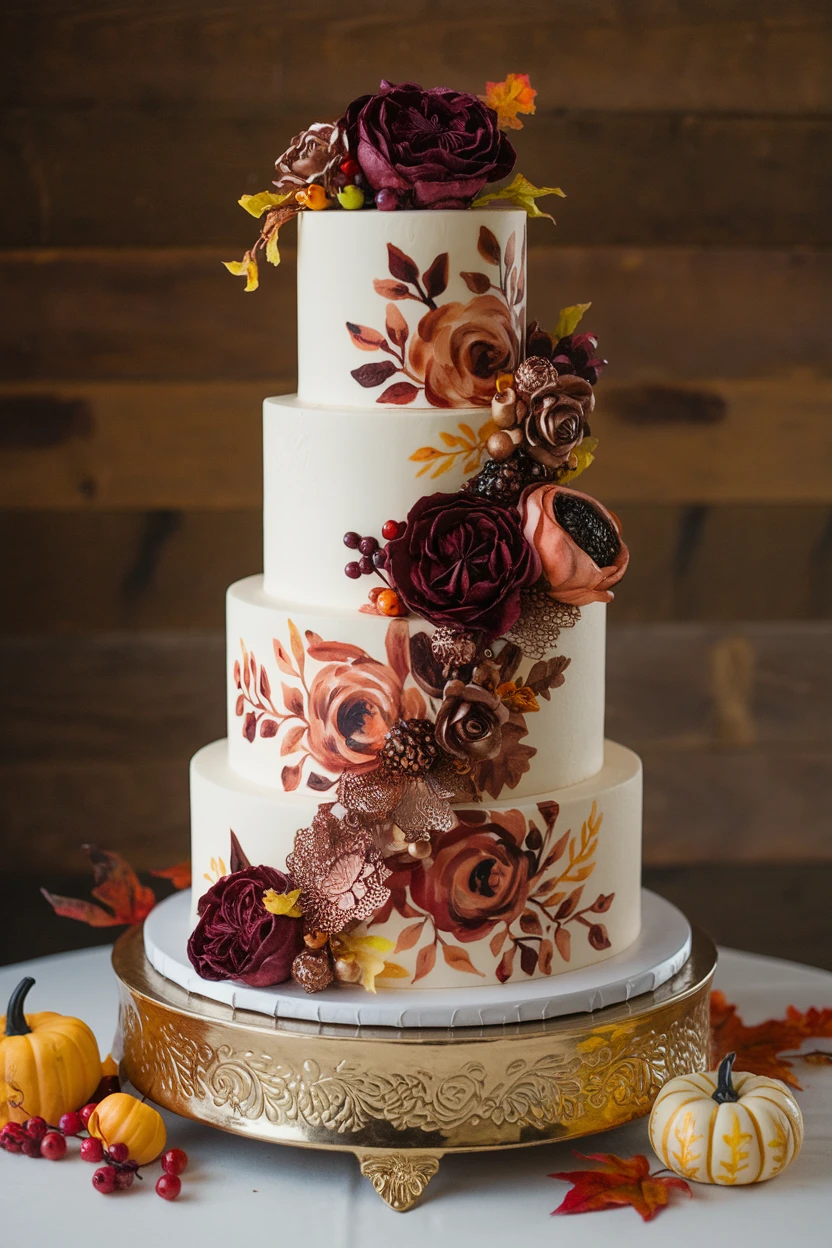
point(237, 937)
point(435, 148)
point(462, 561)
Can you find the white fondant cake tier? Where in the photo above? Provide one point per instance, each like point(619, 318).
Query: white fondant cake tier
point(455, 291)
point(522, 888)
point(327, 471)
point(655, 956)
point(290, 728)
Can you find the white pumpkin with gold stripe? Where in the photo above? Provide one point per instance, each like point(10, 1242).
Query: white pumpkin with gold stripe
point(715, 1128)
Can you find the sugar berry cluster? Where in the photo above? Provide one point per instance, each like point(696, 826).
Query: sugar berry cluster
point(116, 1171)
point(373, 559)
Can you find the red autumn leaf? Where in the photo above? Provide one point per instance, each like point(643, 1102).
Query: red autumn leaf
point(400, 265)
point(238, 859)
point(435, 278)
point(400, 392)
point(812, 1022)
point(375, 374)
point(319, 783)
point(179, 874)
point(117, 886)
point(760, 1049)
point(364, 338)
point(618, 1181)
point(487, 246)
point(528, 959)
point(250, 726)
point(268, 727)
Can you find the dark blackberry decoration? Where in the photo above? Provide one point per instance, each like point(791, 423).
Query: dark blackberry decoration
point(410, 747)
point(505, 482)
point(586, 526)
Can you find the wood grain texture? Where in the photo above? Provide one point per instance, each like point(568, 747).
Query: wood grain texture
point(662, 313)
point(116, 771)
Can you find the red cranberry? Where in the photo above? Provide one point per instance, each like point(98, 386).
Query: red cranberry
point(365, 565)
point(174, 1161)
point(104, 1180)
point(124, 1179)
point(119, 1152)
point(351, 540)
point(367, 545)
point(352, 570)
point(53, 1146)
point(70, 1124)
point(92, 1150)
point(35, 1128)
point(390, 530)
point(169, 1186)
point(349, 166)
point(86, 1113)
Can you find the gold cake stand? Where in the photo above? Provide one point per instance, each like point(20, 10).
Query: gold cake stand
point(401, 1099)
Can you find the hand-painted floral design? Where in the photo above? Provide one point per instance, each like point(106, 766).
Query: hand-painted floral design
point(458, 350)
point(465, 444)
point(496, 874)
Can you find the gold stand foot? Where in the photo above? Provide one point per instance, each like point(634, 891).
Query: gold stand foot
point(399, 1178)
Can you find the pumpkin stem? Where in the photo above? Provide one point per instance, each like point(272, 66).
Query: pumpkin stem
point(725, 1090)
point(16, 1024)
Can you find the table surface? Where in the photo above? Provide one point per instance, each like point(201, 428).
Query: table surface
point(238, 1189)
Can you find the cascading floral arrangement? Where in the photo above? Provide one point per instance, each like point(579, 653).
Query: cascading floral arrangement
point(496, 570)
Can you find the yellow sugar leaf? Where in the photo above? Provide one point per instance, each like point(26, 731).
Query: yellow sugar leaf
point(272, 250)
point(392, 970)
point(263, 201)
point(247, 268)
point(569, 319)
point(523, 194)
point(379, 944)
point(515, 94)
point(283, 903)
point(584, 454)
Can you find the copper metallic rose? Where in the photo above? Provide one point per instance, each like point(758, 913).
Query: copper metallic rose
point(556, 421)
point(469, 724)
point(479, 877)
point(352, 707)
point(578, 541)
point(312, 156)
point(459, 349)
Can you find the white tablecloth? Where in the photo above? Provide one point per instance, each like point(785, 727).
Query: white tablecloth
point(245, 1192)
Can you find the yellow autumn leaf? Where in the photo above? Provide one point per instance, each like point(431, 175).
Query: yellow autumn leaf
point(247, 268)
point(283, 903)
point(523, 194)
point(569, 319)
point(272, 251)
point(584, 454)
point(263, 201)
point(392, 970)
point(515, 94)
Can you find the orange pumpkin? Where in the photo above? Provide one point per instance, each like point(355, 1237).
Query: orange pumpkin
point(49, 1063)
point(121, 1119)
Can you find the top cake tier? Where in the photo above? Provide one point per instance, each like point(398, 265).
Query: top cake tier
point(409, 309)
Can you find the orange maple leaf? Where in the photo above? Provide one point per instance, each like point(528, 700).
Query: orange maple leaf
point(515, 94)
point(761, 1048)
point(619, 1181)
point(179, 874)
point(126, 899)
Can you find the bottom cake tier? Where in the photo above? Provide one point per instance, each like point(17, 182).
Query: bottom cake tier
point(529, 888)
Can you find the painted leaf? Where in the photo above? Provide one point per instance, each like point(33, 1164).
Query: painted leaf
point(412, 704)
point(397, 646)
point(528, 959)
point(602, 903)
point(569, 319)
point(409, 936)
point(297, 646)
point(265, 684)
point(534, 840)
point(237, 681)
point(124, 898)
point(364, 338)
point(498, 940)
point(458, 959)
point(425, 962)
point(435, 279)
point(598, 937)
point(334, 651)
point(400, 392)
point(563, 943)
point(511, 247)
point(488, 246)
point(523, 194)
point(549, 812)
point(617, 1181)
point(312, 638)
point(547, 951)
point(250, 726)
point(239, 705)
point(450, 439)
point(396, 326)
point(282, 658)
point(238, 859)
point(268, 727)
point(570, 905)
point(506, 965)
point(179, 874)
point(319, 783)
point(425, 453)
point(369, 375)
point(292, 699)
point(290, 777)
point(445, 465)
point(292, 739)
point(530, 923)
point(515, 94)
point(263, 201)
point(401, 266)
point(391, 290)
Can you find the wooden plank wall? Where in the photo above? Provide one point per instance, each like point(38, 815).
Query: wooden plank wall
point(694, 141)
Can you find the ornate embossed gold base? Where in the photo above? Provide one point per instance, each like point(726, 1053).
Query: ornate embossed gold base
point(402, 1099)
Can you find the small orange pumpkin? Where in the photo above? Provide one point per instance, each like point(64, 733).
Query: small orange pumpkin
point(49, 1063)
point(121, 1119)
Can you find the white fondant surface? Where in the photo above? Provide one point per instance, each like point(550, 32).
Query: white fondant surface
point(341, 254)
point(567, 732)
point(661, 949)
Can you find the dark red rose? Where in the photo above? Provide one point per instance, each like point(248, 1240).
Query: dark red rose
point(435, 148)
point(462, 561)
point(479, 877)
point(238, 938)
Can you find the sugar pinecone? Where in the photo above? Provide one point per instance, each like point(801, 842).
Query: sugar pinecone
point(505, 482)
point(312, 969)
point(410, 747)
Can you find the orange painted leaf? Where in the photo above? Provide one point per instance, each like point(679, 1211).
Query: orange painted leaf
point(761, 1048)
point(290, 777)
point(292, 699)
point(364, 338)
point(563, 942)
point(297, 645)
point(282, 658)
point(498, 940)
point(392, 290)
point(292, 739)
point(515, 94)
point(408, 936)
point(617, 1181)
point(459, 960)
point(425, 962)
point(125, 900)
point(179, 874)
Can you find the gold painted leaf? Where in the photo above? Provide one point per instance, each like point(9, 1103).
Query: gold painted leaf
point(425, 452)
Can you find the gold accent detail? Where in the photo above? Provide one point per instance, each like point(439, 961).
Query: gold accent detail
point(739, 1155)
point(686, 1158)
point(388, 1094)
point(779, 1148)
point(400, 1178)
point(465, 443)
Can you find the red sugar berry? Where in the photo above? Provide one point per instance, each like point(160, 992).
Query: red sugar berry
point(53, 1146)
point(351, 540)
point(92, 1150)
point(168, 1186)
point(119, 1152)
point(35, 1128)
point(174, 1161)
point(390, 530)
point(367, 545)
point(352, 570)
point(124, 1179)
point(86, 1113)
point(365, 565)
point(70, 1124)
point(104, 1180)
